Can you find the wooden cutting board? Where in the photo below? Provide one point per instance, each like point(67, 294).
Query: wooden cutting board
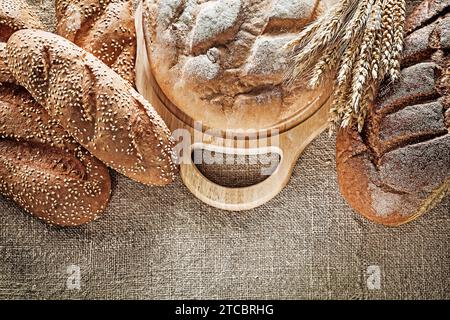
point(286, 137)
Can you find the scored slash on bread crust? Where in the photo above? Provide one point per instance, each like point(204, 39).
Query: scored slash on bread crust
point(43, 169)
point(94, 104)
point(104, 28)
point(424, 12)
point(399, 167)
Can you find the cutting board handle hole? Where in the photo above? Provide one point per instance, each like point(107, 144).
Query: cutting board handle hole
point(235, 170)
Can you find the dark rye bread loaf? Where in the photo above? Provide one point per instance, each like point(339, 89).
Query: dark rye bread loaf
point(424, 12)
point(399, 167)
point(94, 104)
point(43, 169)
point(104, 28)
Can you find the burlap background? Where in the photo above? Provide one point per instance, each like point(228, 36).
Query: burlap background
point(163, 243)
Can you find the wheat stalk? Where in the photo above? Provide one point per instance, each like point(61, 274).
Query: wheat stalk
point(354, 30)
point(362, 67)
point(399, 21)
point(320, 34)
point(358, 43)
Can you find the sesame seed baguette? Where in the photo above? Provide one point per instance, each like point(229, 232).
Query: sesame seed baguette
point(16, 15)
point(104, 28)
point(94, 104)
point(5, 74)
point(43, 169)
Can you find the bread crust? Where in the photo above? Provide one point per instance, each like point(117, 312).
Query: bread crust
point(399, 167)
point(43, 169)
point(94, 104)
point(5, 75)
point(104, 28)
point(16, 15)
point(424, 12)
point(223, 63)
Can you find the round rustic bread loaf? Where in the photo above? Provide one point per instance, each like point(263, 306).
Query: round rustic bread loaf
point(223, 62)
point(104, 28)
point(399, 167)
point(94, 104)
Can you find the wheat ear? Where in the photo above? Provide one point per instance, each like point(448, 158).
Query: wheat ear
point(358, 44)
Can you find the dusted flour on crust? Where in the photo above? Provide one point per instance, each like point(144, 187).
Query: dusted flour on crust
point(225, 59)
point(399, 166)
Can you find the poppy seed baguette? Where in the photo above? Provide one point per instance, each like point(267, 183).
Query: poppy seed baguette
point(94, 104)
point(43, 169)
